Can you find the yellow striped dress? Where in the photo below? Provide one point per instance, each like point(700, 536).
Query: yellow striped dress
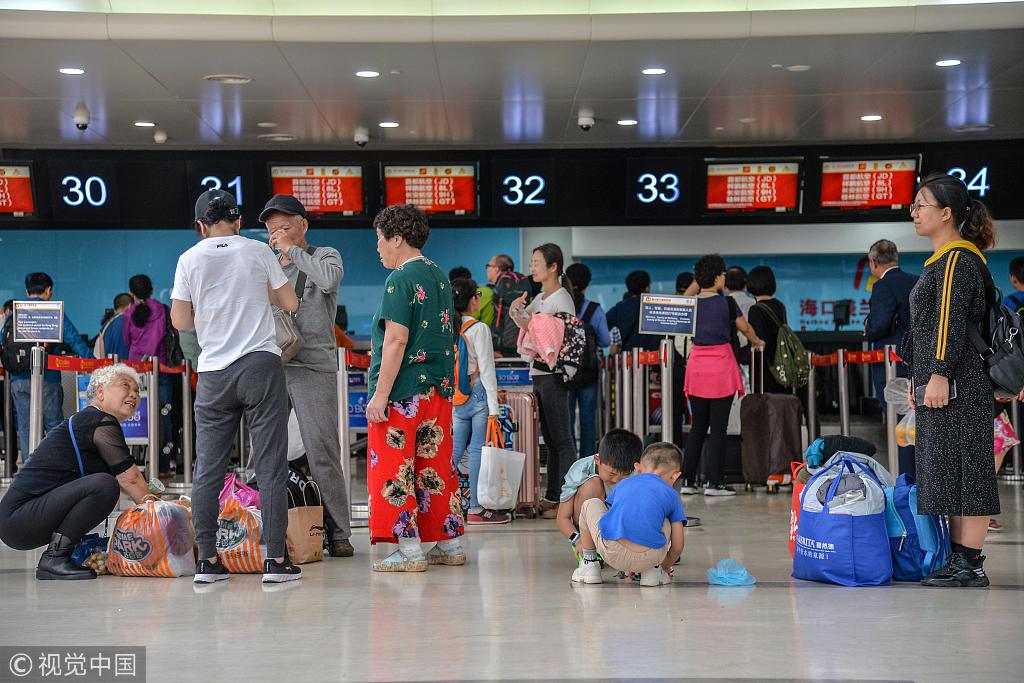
point(955, 465)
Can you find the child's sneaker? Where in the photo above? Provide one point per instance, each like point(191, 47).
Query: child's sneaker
point(689, 488)
point(210, 572)
point(654, 577)
point(488, 517)
point(719, 490)
point(994, 526)
point(588, 571)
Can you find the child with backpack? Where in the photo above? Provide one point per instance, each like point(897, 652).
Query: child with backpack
point(476, 393)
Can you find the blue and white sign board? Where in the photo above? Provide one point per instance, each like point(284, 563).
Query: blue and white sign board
point(136, 427)
point(357, 400)
point(668, 314)
point(39, 322)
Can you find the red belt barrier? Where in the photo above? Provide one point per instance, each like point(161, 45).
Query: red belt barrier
point(357, 360)
point(825, 361)
point(854, 358)
point(75, 364)
point(650, 358)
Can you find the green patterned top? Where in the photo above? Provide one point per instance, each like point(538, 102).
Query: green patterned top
point(417, 295)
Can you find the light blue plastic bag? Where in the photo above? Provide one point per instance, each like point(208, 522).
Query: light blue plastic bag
point(729, 572)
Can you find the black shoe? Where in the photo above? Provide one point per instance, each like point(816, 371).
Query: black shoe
point(211, 572)
point(56, 563)
point(341, 549)
point(957, 573)
point(279, 572)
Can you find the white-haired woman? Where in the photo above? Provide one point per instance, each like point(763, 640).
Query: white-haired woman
point(72, 481)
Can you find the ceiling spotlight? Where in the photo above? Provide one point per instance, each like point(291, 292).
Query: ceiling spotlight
point(871, 117)
point(748, 119)
point(627, 122)
point(654, 71)
point(159, 137)
point(719, 127)
point(948, 62)
point(145, 124)
point(798, 68)
point(367, 74)
point(276, 137)
point(266, 124)
point(228, 79)
point(72, 71)
point(388, 124)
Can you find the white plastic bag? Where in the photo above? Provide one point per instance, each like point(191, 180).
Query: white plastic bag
point(501, 472)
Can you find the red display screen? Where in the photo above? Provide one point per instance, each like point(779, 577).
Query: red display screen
point(434, 189)
point(863, 185)
point(16, 191)
point(321, 189)
point(753, 186)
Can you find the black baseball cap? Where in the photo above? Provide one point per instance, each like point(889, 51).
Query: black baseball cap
point(231, 209)
point(284, 203)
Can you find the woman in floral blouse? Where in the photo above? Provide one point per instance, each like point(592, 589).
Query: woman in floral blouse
point(414, 492)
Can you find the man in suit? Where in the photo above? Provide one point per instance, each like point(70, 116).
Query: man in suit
point(889, 319)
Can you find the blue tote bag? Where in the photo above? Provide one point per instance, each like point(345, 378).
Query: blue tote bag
point(841, 548)
point(920, 544)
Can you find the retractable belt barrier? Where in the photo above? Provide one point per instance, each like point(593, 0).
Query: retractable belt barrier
point(352, 399)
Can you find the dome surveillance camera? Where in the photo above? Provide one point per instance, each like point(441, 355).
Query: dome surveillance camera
point(585, 121)
point(362, 137)
point(81, 117)
point(159, 137)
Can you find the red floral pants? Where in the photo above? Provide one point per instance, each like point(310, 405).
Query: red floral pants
point(413, 485)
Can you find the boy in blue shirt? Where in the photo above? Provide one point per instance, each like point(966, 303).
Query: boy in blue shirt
point(640, 529)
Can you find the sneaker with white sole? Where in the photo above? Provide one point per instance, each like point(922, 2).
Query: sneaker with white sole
point(719, 490)
point(210, 572)
point(280, 572)
point(588, 571)
point(689, 488)
point(655, 577)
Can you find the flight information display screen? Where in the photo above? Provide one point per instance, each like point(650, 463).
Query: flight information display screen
point(436, 189)
point(323, 190)
point(16, 197)
point(752, 186)
point(863, 185)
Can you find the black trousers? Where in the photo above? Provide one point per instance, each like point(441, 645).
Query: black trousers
point(553, 406)
point(713, 413)
point(74, 509)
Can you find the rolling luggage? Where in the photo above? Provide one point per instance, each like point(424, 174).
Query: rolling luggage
point(770, 431)
point(526, 439)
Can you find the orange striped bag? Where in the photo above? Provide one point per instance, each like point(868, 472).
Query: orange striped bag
point(154, 538)
point(240, 538)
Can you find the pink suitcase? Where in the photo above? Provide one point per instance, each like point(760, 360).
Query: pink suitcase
point(526, 440)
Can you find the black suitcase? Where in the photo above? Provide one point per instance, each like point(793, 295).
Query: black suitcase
point(770, 431)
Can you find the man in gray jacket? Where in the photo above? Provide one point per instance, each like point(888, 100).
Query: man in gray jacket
point(311, 375)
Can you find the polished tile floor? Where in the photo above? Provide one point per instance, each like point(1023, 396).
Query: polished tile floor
point(513, 614)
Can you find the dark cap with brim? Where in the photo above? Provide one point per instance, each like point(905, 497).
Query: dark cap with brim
point(283, 203)
point(230, 206)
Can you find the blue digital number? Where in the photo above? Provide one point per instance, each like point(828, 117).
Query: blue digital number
point(979, 183)
point(664, 189)
point(212, 182)
point(92, 191)
point(526, 192)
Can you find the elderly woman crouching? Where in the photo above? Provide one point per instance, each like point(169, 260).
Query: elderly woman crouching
point(71, 482)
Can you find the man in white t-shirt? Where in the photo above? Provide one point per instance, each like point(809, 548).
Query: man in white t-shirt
point(223, 287)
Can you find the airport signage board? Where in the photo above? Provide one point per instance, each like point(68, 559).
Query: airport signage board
point(436, 189)
point(668, 314)
point(323, 189)
point(866, 184)
point(16, 197)
point(751, 186)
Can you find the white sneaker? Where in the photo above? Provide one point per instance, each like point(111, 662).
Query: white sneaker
point(689, 488)
point(655, 577)
point(719, 490)
point(588, 572)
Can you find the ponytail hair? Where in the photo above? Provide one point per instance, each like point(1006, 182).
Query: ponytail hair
point(552, 254)
point(142, 287)
point(463, 291)
point(970, 216)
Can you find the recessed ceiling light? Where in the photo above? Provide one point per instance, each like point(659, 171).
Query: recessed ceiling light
point(654, 71)
point(871, 117)
point(266, 124)
point(798, 68)
point(388, 124)
point(974, 128)
point(748, 119)
point(145, 124)
point(276, 137)
point(627, 122)
point(948, 62)
point(228, 79)
point(719, 127)
point(72, 71)
point(367, 74)
point(776, 66)
point(395, 72)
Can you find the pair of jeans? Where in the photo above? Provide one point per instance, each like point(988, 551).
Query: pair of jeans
point(586, 397)
point(53, 409)
point(553, 405)
point(469, 430)
point(713, 413)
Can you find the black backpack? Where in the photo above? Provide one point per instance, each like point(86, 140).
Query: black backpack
point(16, 358)
point(999, 340)
point(171, 341)
point(504, 332)
point(587, 372)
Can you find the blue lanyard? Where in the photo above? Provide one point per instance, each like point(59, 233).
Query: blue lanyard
point(74, 442)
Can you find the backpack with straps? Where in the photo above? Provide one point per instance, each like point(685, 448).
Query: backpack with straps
point(464, 381)
point(587, 373)
point(999, 340)
point(790, 368)
point(508, 287)
point(15, 357)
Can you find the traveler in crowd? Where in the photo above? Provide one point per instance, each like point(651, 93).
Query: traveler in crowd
point(145, 327)
point(311, 376)
point(547, 267)
point(39, 287)
point(477, 401)
point(5, 310)
point(766, 316)
point(583, 390)
point(459, 273)
point(413, 487)
point(955, 472)
point(681, 349)
point(506, 286)
point(712, 376)
point(1015, 299)
point(888, 322)
point(73, 479)
point(736, 285)
point(110, 340)
point(223, 287)
point(624, 317)
point(683, 282)
point(498, 264)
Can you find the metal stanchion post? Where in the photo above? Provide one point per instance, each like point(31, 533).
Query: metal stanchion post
point(616, 361)
point(667, 391)
point(639, 396)
point(10, 445)
point(603, 402)
point(1015, 453)
point(844, 394)
point(35, 411)
point(627, 391)
point(868, 385)
point(344, 432)
point(812, 399)
point(153, 419)
point(890, 412)
point(187, 429)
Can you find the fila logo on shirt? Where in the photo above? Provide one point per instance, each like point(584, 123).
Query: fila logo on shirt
point(222, 245)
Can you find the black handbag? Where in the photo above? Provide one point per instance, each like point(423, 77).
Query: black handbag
point(1000, 342)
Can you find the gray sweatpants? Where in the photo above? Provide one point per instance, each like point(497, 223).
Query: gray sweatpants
point(314, 397)
point(254, 385)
